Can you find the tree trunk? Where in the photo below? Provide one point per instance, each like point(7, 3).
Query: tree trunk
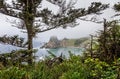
point(91, 49)
point(30, 47)
point(28, 18)
point(30, 40)
point(1, 3)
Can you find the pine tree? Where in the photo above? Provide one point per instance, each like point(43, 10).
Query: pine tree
point(116, 7)
point(28, 10)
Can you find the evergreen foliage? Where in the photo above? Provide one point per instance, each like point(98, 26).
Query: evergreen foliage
point(72, 68)
point(117, 6)
point(13, 40)
point(103, 64)
point(16, 58)
point(27, 11)
point(107, 44)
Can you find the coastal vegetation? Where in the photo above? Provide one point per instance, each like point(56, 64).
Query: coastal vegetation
point(28, 11)
point(100, 60)
point(76, 67)
point(92, 64)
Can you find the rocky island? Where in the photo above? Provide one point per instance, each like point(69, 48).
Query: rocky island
point(54, 42)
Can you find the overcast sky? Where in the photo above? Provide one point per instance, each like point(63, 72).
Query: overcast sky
point(82, 30)
point(85, 28)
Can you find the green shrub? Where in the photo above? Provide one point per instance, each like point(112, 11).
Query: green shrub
point(72, 68)
point(99, 69)
point(13, 73)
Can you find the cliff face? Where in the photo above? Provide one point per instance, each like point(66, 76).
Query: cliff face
point(63, 43)
point(55, 43)
point(51, 45)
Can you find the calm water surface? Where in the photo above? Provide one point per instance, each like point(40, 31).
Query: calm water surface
point(57, 51)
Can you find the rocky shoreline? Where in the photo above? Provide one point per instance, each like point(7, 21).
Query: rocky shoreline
point(55, 43)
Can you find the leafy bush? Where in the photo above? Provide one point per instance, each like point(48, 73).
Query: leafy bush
point(72, 68)
point(76, 69)
point(13, 73)
point(100, 70)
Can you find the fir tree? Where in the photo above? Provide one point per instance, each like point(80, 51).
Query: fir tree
point(28, 10)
